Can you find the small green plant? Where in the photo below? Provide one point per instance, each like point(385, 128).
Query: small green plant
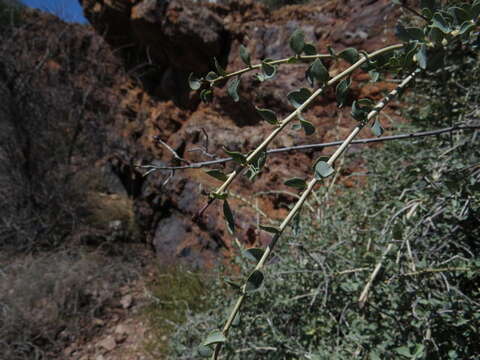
point(386, 256)
point(176, 293)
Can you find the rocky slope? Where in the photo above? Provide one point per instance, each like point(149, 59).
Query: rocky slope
point(161, 42)
point(81, 107)
point(135, 88)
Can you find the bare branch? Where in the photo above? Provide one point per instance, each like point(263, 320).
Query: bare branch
point(319, 146)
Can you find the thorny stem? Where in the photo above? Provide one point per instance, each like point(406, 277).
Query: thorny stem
point(304, 196)
point(289, 118)
point(318, 147)
point(415, 12)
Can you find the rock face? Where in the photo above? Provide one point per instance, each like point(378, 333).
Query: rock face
point(171, 39)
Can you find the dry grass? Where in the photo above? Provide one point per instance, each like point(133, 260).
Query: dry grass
point(49, 300)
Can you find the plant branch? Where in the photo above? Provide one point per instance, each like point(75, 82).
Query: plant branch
point(273, 62)
point(262, 147)
point(302, 199)
point(320, 146)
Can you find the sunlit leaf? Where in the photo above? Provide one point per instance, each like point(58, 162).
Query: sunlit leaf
point(211, 76)
point(215, 337)
point(232, 88)
point(323, 169)
point(421, 56)
point(194, 81)
point(374, 75)
point(221, 196)
point(377, 129)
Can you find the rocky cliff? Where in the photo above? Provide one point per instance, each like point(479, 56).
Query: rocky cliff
point(143, 93)
point(170, 39)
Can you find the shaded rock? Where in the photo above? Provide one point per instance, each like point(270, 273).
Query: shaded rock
point(178, 36)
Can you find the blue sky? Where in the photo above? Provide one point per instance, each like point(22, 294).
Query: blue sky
point(68, 10)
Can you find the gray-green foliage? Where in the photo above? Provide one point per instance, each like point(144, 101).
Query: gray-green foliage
point(417, 214)
point(424, 203)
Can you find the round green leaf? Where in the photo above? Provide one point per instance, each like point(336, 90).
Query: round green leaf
point(341, 91)
point(227, 213)
point(296, 183)
point(439, 22)
point(232, 88)
point(205, 351)
point(309, 49)
point(211, 76)
point(194, 81)
point(350, 55)
point(219, 68)
point(236, 156)
point(268, 70)
point(358, 112)
point(374, 75)
point(245, 55)
point(254, 281)
point(206, 95)
point(307, 127)
point(298, 97)
point(253, 254)
point(318, 71)
point(421, 56)
point(377, 128)
point(267, 115)
point(323, 169)
point(297, 41)
point(217, 174)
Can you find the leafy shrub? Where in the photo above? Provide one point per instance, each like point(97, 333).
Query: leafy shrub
point(424, 301)
point(388, 270)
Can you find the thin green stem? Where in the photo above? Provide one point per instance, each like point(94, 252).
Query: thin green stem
point(273, 62)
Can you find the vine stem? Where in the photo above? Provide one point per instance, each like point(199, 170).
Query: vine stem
point(311, 184)
point(289, 118)
point(273, 62)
